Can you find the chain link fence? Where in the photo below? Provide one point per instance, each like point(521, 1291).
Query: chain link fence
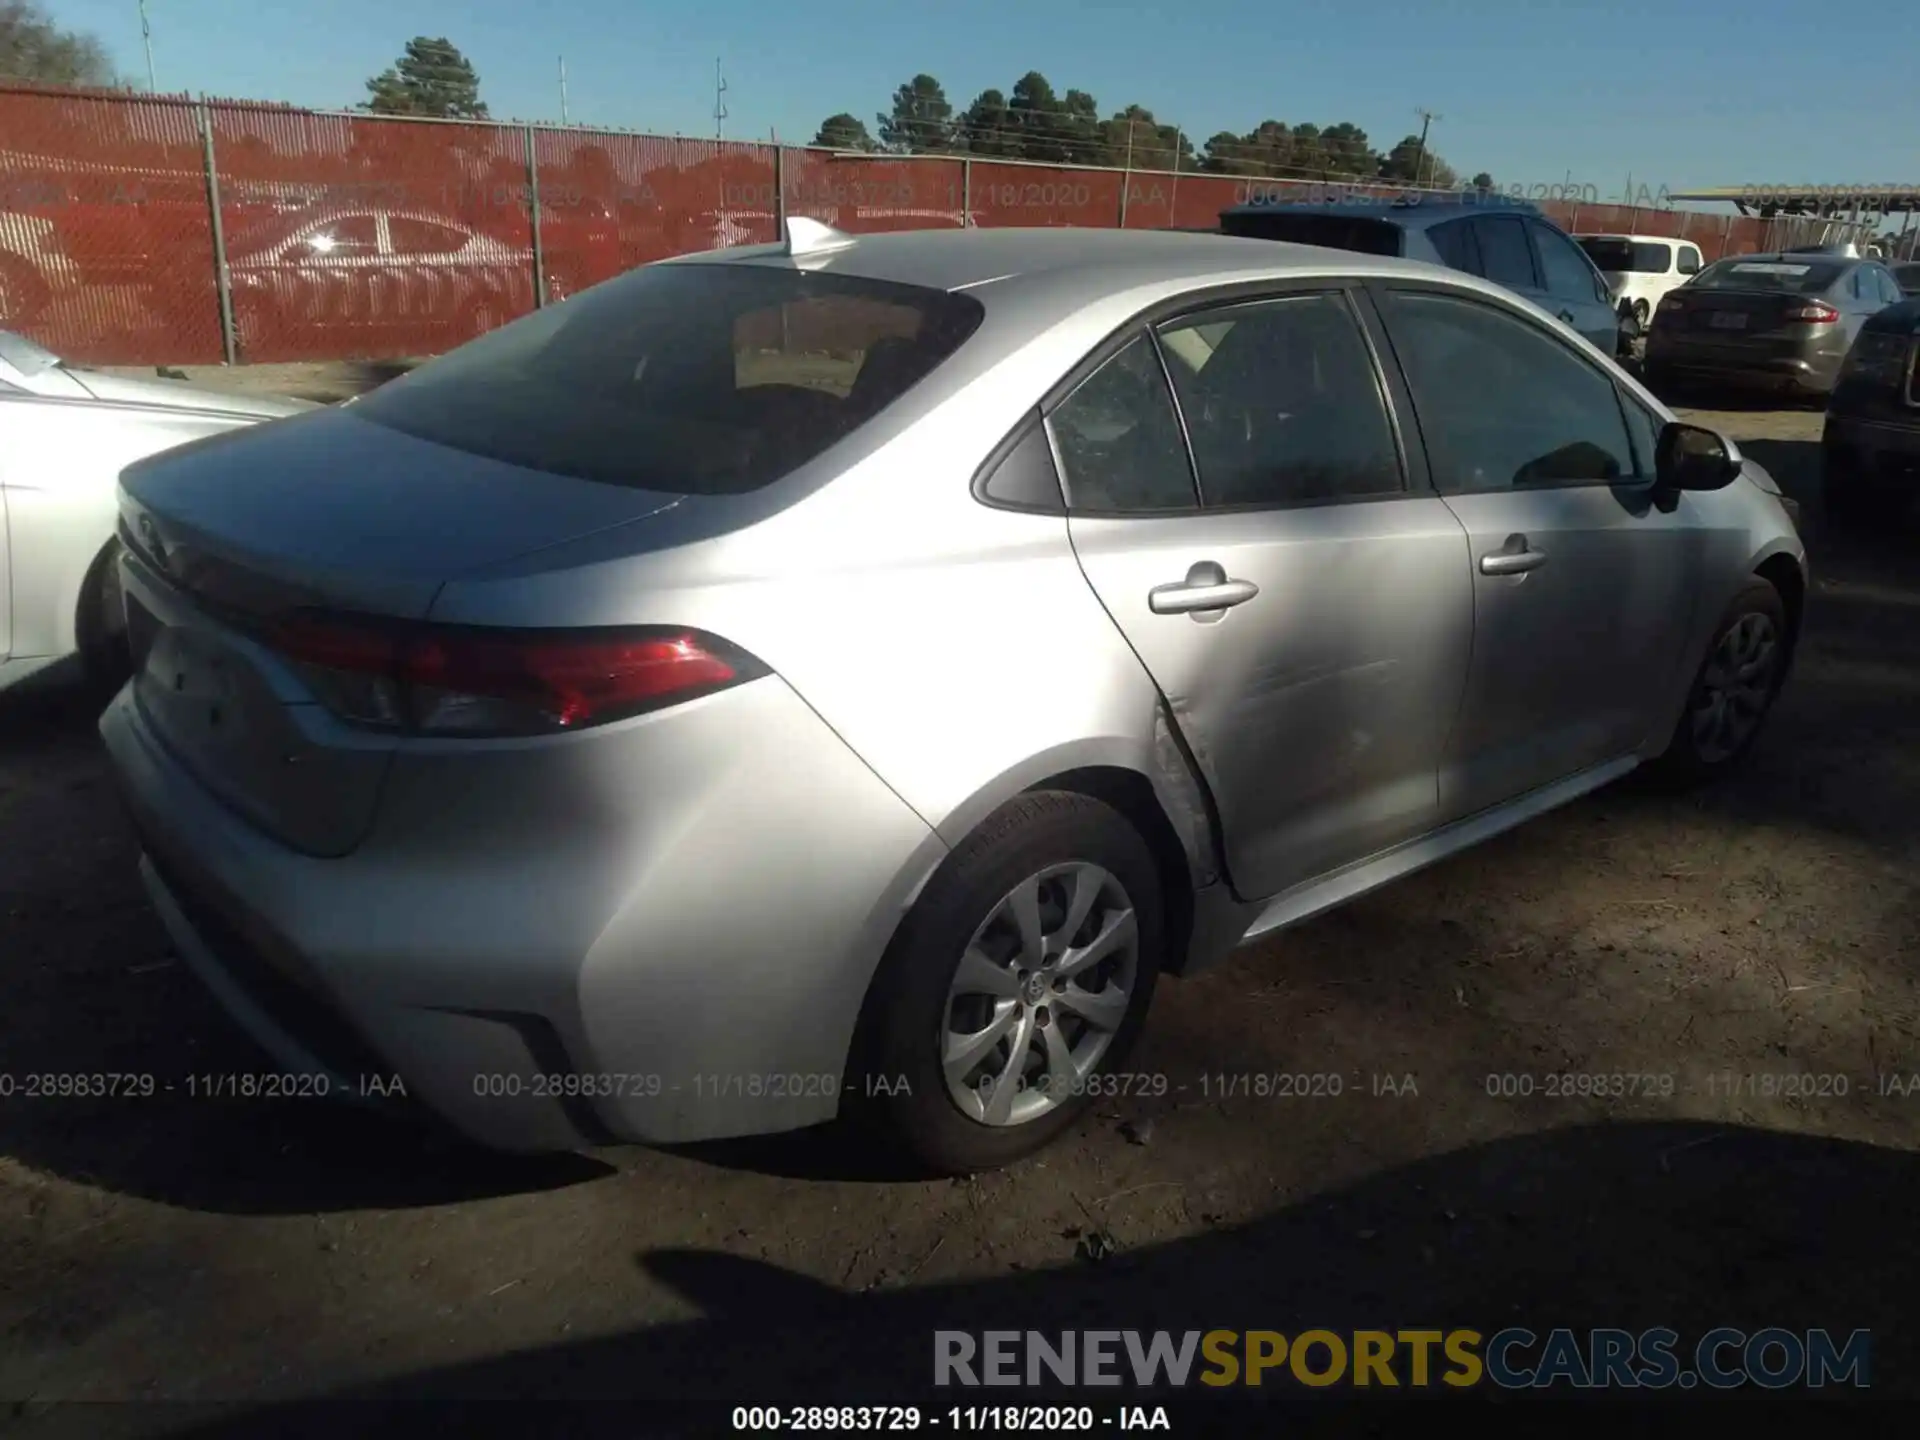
point(144, 229)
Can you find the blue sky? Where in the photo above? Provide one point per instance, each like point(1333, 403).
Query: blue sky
point(1705, 92)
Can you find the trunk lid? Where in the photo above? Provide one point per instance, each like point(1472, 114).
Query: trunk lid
point(1735, 315)
point(327, 511)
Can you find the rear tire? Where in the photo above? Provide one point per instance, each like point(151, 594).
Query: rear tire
point(1734, 689)
point(1070, 999)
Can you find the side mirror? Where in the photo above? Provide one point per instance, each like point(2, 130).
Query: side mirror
point(1690, 457)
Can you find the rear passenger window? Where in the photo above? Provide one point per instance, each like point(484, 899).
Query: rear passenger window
point(1282, 403)
point(1567, 274)
point(1454, 241)
point(1119, 440)
point(1504, 252)
point(1689, 260)
point(1025, 478)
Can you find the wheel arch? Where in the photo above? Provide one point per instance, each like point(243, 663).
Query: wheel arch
point(1788, 576)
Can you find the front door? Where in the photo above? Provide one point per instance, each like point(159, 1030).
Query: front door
point(1306, 615)
point(1583, 585)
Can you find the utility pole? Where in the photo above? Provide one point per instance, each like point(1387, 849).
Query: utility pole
point(719, 102)
point(563, 89)
point(146, 39)
point(1427, 117)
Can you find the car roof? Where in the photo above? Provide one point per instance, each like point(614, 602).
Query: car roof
point(1416, 214)
point(1068, 258)
point(1637, 239)
point(1794, 257)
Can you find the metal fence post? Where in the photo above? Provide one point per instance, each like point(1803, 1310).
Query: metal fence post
point(533, 216)
point(1126, 174)
point(780, 197)
point(222, 282)
point(1573, 224)
point(966, 191)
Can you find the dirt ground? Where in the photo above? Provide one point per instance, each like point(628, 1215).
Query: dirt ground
point(1726, 946)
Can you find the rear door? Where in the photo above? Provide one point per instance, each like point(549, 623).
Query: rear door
point(1575, 290)
point(1506, 256)
point(1239, 500)
point(1583, 587)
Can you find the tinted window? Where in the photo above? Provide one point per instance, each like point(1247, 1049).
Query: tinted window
point(1889, 287)
point(1644, 429)
point(350, 235)
point(1789, 276)
point(684, 378)
point(1025, 477)
point(1608, 252)
point(1689, 260)
point(1864, 286)
point(1907, 277)
point(1502, 404)
point(1564, 269)
point(1119, 438)
point(422, 237)
point(1454, 241)
point(1504, 254)
point(1652, 257)
point(1334, 232)
point(1282, 403)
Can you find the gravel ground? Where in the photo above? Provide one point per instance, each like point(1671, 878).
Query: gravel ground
point(225, 1250)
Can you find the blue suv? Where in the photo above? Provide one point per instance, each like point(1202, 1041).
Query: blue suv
point(1509, 242)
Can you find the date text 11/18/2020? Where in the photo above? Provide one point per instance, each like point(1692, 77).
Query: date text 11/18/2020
point(204, 1085)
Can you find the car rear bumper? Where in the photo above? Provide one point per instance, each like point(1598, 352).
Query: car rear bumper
point(1810, 372)
point(673, 956)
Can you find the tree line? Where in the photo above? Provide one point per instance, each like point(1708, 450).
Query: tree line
point(1032, 121)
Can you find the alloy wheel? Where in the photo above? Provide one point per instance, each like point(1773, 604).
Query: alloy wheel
point(1736, 687)
point(1039, 994)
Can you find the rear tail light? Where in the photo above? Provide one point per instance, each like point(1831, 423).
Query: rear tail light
point(1674, 301)
point(1813, 313)
point(475, 681)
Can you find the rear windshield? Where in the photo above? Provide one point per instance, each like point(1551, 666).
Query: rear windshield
point(690, 379)
point(1788, 276)
point(1334, 232)
point(1647, 257)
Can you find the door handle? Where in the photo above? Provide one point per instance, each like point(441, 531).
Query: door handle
point(1205, 588)
point(1567, 316)
point(1517, 559)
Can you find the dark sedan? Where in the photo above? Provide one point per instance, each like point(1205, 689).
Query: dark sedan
point(1776, 322)
point(1870, 448)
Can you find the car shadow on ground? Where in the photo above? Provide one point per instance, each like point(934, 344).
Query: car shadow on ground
point(1628, 1225)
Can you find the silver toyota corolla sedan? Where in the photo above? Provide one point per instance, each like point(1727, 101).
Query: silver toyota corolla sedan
point(65, 434)
point(844, 674)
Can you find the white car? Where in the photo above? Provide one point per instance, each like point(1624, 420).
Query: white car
point(32, 269)
point(65, 434)
point(1641, 269)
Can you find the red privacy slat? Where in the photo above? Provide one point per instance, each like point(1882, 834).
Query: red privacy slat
point(356, 236)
